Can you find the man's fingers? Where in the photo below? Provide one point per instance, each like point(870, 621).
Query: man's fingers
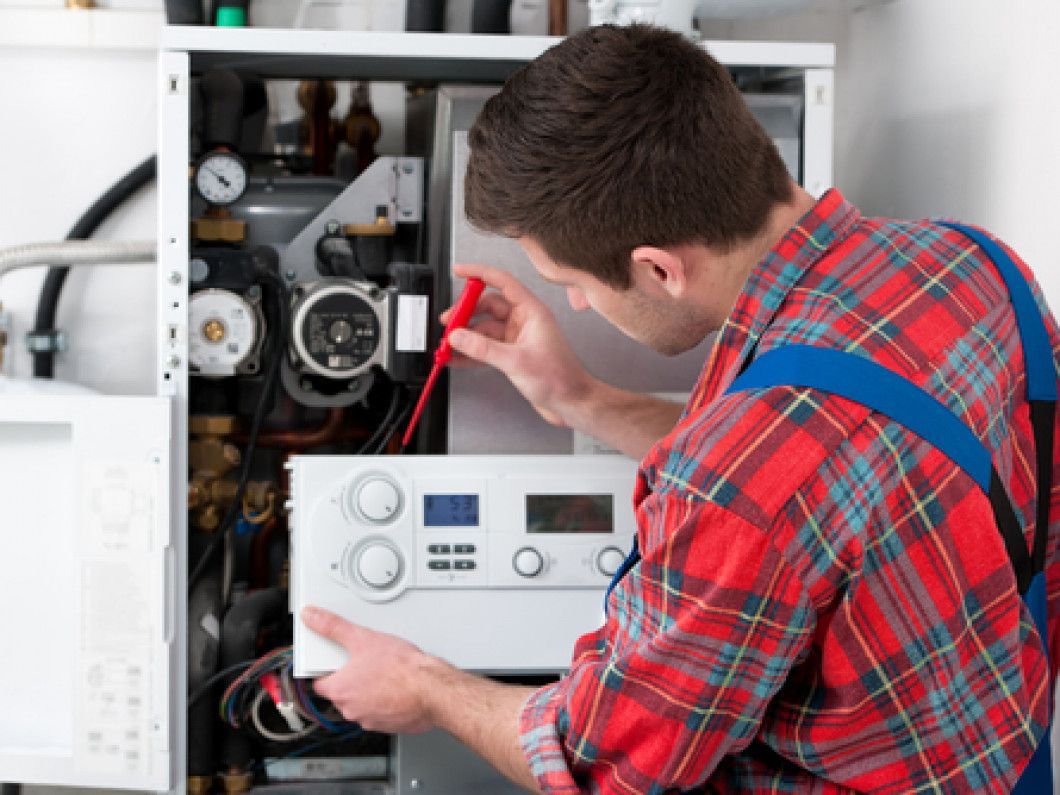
point(482, 349)
point(322, 686)
point(510, 287)
point(494, 329)
point(491, 303)
point(324, 622)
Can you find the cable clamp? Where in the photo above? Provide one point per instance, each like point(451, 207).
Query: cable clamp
point(52, 341)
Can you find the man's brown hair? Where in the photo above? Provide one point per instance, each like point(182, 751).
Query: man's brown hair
point(620, 137)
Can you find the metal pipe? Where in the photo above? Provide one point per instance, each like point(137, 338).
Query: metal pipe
point(78, 252)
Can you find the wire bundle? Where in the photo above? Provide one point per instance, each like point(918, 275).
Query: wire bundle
point(271, 677)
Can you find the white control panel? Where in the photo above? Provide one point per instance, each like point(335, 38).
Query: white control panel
point(495, 563)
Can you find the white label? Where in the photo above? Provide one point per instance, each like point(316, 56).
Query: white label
point(411, 336)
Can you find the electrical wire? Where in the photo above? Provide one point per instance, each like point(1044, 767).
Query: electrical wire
point(313, 747)
point(371, 443)
point(269, 734)
point(398, 423)
point(206, 686)
point(268, 392)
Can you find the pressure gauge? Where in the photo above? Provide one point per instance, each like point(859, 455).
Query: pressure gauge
point(221, 177)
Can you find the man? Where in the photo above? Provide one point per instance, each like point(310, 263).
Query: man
point(823, 601)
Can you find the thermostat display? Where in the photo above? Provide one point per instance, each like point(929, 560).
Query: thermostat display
point(450, 510)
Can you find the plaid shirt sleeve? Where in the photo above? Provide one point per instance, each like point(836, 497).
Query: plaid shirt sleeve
point(698, 639)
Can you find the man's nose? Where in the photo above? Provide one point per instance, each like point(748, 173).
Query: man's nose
point(576, 299)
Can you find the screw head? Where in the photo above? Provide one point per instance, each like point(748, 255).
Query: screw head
point(332, 227)
point(174, 277)
point(173, 361)
point(290, 275)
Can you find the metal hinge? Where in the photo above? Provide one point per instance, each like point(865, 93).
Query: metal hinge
point(53, 341)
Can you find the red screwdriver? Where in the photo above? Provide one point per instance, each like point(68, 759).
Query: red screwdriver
point(465, 307)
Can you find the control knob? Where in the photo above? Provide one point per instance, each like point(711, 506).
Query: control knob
point(377, 499)
point(378, 565)
point(608, 560)
point(528, 562)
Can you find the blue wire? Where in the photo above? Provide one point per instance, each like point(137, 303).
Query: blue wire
point(313, 746)
point(327, 724)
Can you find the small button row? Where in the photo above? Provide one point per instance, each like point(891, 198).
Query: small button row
point(445, 565)
point(446, 549)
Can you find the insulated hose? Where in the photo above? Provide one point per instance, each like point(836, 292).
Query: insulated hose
point(87, 224)
point(77, 252)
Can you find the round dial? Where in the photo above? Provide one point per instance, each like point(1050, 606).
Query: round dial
point(224, 332)
point(528, 562)
point(378, 565)
point(221, 178)
point(337, 330)
point(608, 560)
point(377, 500)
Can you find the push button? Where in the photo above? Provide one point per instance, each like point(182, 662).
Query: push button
point(438, 549)
point(464, 565)
point(439, 565)
point(464, 549)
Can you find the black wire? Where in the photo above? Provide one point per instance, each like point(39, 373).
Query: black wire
point(87, 224)
point(305, 749)
point(206, 686)
point(388, 418)
point(268, 392)
point(398, 423)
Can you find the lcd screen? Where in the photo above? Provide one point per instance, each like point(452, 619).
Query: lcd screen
point(450, 510)
point(570, 513)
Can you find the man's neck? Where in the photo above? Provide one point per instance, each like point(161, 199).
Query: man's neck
point(730, 270)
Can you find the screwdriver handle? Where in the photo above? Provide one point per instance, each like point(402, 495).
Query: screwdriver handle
point(462, 312)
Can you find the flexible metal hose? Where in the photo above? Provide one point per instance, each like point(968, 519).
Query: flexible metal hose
point(78, 252)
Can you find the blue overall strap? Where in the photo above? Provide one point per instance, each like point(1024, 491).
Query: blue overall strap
point(863, 381)
point(1041, 395)
point(874, 386)
point(1041, 377)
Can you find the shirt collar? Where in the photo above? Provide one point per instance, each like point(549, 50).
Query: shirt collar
point(768, 284)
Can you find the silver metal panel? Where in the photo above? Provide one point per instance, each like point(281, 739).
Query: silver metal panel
point(486, 414)
point(392, 182)
point(436, 764)
point(781, 116)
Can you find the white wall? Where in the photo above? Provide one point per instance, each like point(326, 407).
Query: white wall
point(951, 110)
point(75, 121)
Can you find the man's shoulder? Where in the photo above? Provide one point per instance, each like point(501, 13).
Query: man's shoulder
point(750, 452)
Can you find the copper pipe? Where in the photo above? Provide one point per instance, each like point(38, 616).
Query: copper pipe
point(557, 17)
point(302, 439)
point(259, 554)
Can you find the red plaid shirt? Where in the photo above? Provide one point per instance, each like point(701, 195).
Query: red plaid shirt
point(824, 603)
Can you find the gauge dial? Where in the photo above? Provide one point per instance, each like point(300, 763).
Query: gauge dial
point(221, 178)
point(225, 333)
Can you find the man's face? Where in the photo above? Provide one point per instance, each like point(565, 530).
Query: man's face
point(654, 320)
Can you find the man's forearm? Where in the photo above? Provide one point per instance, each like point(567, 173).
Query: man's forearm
point(627, 421)
point(482, 714)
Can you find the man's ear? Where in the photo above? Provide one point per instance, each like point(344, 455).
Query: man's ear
point(660, 269)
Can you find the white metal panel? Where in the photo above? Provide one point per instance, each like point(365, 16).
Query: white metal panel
point(86, 579)
point(172, 371)
point(817, 130)
point(447, 46)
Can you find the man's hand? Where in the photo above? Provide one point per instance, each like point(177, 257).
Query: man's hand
point(516, 333)
point(389, 685)
point(383, 686)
